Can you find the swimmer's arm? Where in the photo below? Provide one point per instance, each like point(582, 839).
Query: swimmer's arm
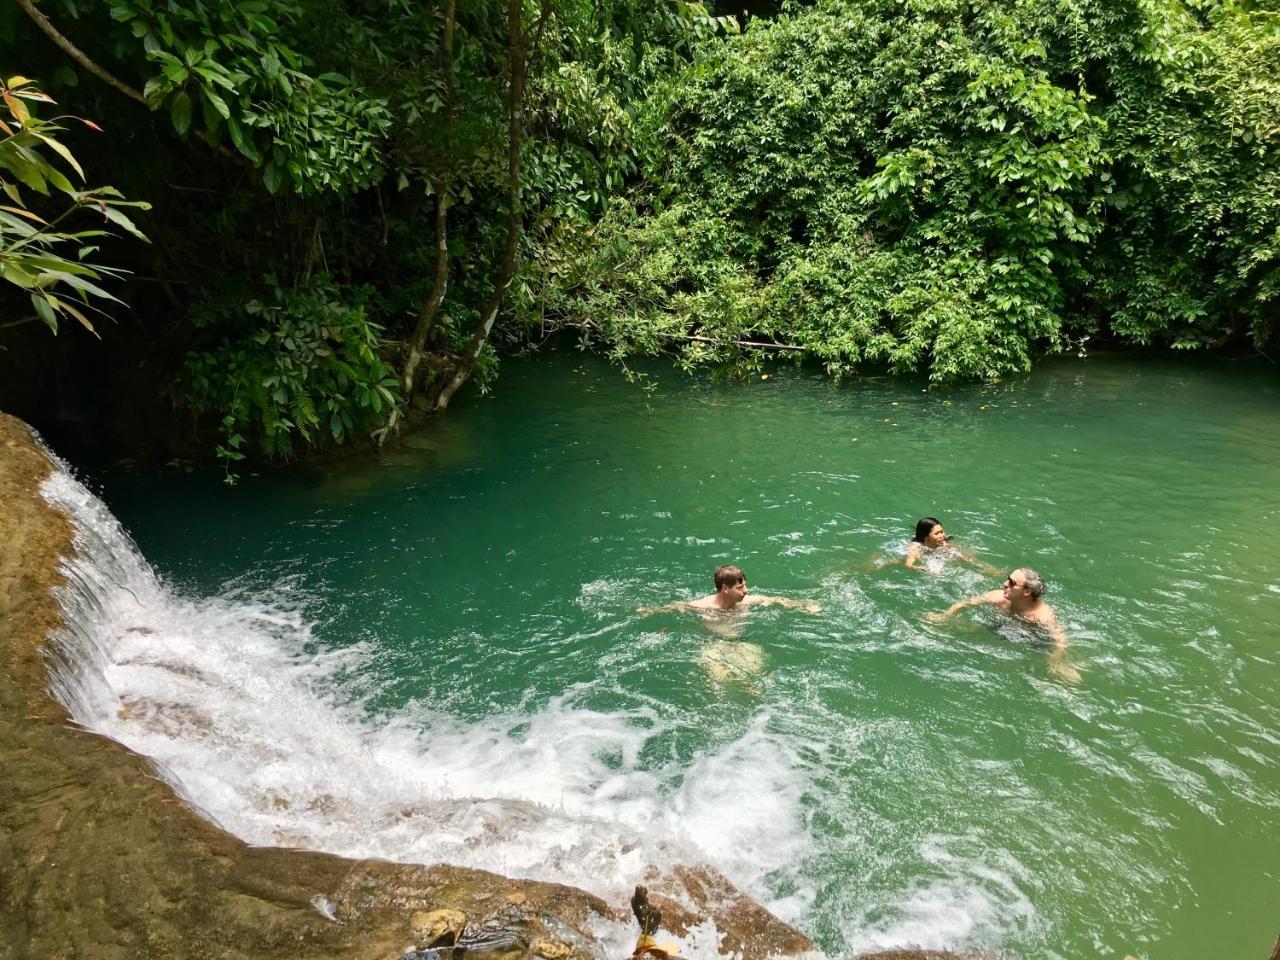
point(969, 557)
point(913, 556)
point(676, 606)
point(1057, 655)
point(806, 605)
point(995, 596)
point(1056, 634)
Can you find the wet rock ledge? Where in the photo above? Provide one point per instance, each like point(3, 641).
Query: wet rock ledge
point(100, 860)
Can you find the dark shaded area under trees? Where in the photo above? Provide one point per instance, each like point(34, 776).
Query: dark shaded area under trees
point(341, 195)
point(356, 206)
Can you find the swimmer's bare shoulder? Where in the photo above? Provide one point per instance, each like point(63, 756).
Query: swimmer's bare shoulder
point(1044, 615)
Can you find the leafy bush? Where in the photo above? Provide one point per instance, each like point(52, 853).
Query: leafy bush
point(225, 66)
point(303, 367)
point(948, 185)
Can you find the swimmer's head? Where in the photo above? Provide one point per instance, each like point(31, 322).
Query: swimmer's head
point(729, 576)
point(929, 532)
point(1026, 579)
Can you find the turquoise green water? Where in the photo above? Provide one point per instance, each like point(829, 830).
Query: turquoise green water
point(874, 778)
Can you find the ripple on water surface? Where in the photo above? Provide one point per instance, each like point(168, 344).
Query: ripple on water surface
point(440, 657)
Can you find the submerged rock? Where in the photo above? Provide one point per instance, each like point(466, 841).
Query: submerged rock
point(688, 895)
point(437, 928)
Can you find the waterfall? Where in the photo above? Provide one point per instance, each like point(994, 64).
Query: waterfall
point(234, 701)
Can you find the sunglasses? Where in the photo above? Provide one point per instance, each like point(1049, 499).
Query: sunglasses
point(1010, 582)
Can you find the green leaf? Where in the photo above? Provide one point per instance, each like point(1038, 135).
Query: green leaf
point(63, 152)
point(16, 275)
point(68, 308)
point(155, 90)
point(216, 102)
point(29, 173)
point(271, 177)
point(243, 141)
point(116, 217)
point(59, 181)
point(79, 283)
point(14, 225)
point(45, 312)
point(180, 112)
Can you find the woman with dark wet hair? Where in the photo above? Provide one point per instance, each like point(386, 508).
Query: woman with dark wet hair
point(931, 540)
point(930, 536)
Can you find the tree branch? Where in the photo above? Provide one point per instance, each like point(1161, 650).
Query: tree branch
point(752, 344)
point(74, 52)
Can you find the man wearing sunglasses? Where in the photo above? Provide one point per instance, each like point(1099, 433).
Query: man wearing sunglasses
point(1020, 597)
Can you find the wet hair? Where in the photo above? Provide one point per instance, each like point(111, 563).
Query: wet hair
point(923, 526)
point(1033, 582)
point(728, 576)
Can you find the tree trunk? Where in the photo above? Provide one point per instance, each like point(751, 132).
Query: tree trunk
point(466, 363)
point(427, 319)
point(440, 283)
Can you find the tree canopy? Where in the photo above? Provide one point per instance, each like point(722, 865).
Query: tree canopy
point(951, 186)
point(355, 205)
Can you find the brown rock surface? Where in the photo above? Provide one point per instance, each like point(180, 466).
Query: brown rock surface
point(100, 861)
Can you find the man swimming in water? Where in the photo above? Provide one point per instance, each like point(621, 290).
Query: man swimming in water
point(1021, 597)
point(732, 594)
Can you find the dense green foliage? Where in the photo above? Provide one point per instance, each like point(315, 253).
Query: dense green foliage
point(35, 255)
point(952, 186)
point(367, 142)
point(359, 204)
point(230, 63)
point(302, 364)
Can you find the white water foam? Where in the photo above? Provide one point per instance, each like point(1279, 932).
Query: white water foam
point(223, 695)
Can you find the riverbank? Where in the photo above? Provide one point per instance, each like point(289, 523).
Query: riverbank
point(98, 857)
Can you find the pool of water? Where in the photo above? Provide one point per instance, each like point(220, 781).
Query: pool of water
point(437, 655)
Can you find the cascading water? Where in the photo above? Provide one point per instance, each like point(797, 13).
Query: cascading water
point(438, 655)
point(228, 698)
